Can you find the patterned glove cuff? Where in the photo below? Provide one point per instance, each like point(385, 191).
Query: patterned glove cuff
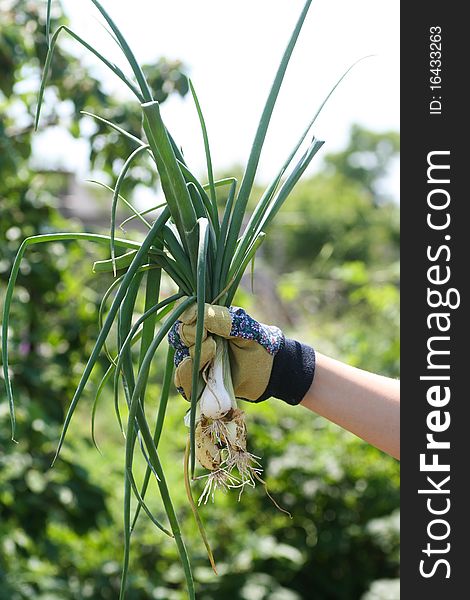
point(292, 373)
point(245, 327)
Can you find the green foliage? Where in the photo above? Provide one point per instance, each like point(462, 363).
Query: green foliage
point(342, 494)
point(340, 204)
point(366, 158)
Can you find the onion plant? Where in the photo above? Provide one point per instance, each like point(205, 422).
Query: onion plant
point(205, 251)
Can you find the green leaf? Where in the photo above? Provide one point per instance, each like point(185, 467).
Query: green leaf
point(190, 178)
point(181, 259)
point(152, 294)
point(143, 505)
point(201, 299)
point(99, 390)
point(173, 183)
point(125, 368)
point(199, 207)
point(236, 278)
point(165, 306)
point(37, 239)
point(174, 270)
point(136, 412)
point(220, 182)
point(210, 173)
point(257, 215)
point(167, 381)
point(47, 65)
point(253, 160)
point(136, 215)
point(290, 182)
point(101, 310)
point(121, 262)
point(48, 23)
point(193, 506)
point(116, 196)
point(139, 257)
point(141, 213)
point(222, 258)
point(212, 249)
point(115, 127)
point(138, 73)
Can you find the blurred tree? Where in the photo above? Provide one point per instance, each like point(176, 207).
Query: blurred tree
point(71, 89)
point(341, 203)
point(366, 159)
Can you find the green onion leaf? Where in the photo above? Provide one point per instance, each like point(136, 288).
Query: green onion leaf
point(210, 173)
point(201, 299)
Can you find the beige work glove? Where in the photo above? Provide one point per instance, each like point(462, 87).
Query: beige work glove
point(261, 359)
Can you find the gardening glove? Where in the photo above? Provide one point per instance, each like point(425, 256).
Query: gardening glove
point(263, 361)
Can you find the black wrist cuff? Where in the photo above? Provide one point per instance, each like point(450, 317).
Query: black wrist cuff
point(292, 373)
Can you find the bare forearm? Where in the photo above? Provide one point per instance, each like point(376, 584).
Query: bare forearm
point(366, 404)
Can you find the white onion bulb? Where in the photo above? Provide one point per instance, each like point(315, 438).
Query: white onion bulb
point(218, 396)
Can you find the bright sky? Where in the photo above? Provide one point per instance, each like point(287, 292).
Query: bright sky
point(232, 51)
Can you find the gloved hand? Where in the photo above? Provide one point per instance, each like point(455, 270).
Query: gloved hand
point(263, 361)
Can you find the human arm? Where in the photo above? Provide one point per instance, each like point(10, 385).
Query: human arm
point(364, 403)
